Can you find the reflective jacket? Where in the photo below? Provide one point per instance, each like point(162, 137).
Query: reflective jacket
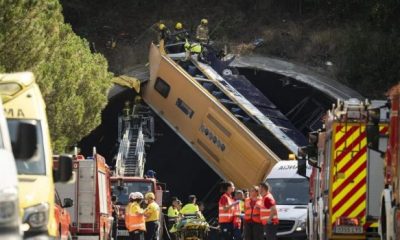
point(202, 33)
point(134, 218)
point(252, 213)
point(190, 209)
point(193, 47)
point(225, 216)
point(266, 212)
point(237, 220)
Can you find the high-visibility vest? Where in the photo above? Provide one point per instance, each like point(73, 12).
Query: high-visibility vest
point(237, 220)
point(134, 218)
point(252, 213)
point(225, 216)
point(193, 47)
point(190, 209)
point(265, 212)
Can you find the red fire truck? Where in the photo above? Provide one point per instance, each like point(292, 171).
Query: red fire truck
point(389, 223)
point(91, 213)
point(345, 184)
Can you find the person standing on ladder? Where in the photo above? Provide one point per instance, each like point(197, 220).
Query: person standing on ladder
point(226, 207)
point(152, 214)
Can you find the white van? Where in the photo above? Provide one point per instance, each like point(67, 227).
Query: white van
point(9, 209)
point(290, 191)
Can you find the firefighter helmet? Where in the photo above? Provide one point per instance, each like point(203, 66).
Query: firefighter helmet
point(178, 26)
point(162, 26)
point(204, 21)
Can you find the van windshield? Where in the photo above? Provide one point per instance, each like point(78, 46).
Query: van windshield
point(289, 191)
point(35, 165)
point(122, 192)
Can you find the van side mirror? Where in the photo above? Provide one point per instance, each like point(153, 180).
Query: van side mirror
point(64, 171)
point(25, 146)
point(302, 167)
point(68, 202)
point(372, 130)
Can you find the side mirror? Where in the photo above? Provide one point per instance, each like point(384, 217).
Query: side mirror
point(64, 171)
point(68, 202)
point(25, 145)
point(373, 136)
point(302, 167)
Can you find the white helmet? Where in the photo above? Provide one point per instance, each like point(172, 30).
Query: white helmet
point(136, 195)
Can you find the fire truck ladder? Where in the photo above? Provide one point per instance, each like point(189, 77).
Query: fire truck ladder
point(131, 157)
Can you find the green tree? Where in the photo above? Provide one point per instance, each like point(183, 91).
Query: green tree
point(73, 81)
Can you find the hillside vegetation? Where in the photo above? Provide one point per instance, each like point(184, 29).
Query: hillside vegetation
point(74, 81)
point(361, 38)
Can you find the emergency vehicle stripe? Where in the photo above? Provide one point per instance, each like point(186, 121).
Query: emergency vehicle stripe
point(349, 179)
point(350, 161)
point(345, 136)
point(353, 144)
point(349, 184)
point(348, 195)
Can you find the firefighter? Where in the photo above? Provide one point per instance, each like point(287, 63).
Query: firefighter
point(191, 208)
point(164, 33)
point(152, 214)
point(202, 32)
point(253, 228)
point(193, 49)
point(226, 210)
point(134, 217)
point(180, 34)
point(268, 212)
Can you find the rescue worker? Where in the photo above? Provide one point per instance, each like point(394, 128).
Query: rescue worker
point(268, 212)
point(239, 210)
point(152, 214)
point(180, 34)
point(201, 210)
point(173, 215)
point(194, 49)
point(115, 215)
point(191, 208)
point(164, 33)
point(253, 229)
point(226, 207)
point(134, 217)
point(202, 32)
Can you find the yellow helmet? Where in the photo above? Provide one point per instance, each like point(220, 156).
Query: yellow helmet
point(149, 195)
point(204, 21)
point(161, 26)
point(178, 26)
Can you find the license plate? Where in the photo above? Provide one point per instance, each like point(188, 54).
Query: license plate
point(123, 233)
point(348, 229)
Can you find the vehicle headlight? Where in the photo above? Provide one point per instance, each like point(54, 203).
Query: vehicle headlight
point(8, 204)
point(301, 226)
point(37, 216)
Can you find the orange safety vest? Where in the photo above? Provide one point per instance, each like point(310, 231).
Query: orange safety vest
point(237, 220)
point(252, 214)
point(133, 220)
point(225, 216)
point(266, 212)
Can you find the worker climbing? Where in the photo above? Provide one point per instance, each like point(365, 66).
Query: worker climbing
point(180, 34)
point(202, 32)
